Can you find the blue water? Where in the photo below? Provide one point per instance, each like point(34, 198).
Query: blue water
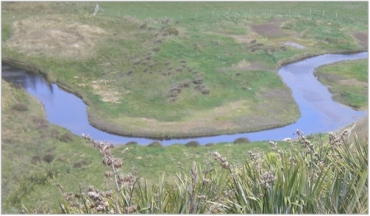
point(319, 113)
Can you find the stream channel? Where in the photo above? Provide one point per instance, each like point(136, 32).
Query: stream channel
point(319, 113)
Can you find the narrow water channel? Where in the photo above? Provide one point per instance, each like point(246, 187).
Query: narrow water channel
point(319, 113)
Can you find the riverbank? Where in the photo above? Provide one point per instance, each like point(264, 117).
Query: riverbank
point(56, 99)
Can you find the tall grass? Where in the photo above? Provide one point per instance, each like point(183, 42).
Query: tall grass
point(313, 177)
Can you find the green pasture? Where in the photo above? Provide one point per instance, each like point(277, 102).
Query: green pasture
point(138, 50)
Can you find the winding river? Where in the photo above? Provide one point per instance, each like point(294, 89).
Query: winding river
point(319, 113)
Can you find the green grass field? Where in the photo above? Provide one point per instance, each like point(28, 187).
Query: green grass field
point(131, 60)
point(125, 74)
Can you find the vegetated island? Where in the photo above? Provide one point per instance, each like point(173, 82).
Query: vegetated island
point(172, 72)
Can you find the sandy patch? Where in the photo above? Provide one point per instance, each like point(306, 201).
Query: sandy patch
point(54, 35)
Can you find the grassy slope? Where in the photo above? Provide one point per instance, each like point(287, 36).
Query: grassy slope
point(347, 81)
point(26, 139)
point(206, 42)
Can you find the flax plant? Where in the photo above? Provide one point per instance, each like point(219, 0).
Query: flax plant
point(310, 178)
point(313, 176)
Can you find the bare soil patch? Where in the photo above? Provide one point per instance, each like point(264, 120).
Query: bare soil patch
point(268, 30)
point(353, 82)
point(246, 66)
point(363, 37)
point(239, 38)
point(107, 93)
point(55, 36)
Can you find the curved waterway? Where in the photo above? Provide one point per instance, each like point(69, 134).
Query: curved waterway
point(319, 113)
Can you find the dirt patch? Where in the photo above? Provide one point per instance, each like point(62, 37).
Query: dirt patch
point(239, 38)
point(101, 87)
point(55, 36)
point(363, 37)
point(268, 30)
point(352, 82)
point(246, 66)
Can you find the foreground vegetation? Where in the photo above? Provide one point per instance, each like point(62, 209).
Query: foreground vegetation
point(165, 70)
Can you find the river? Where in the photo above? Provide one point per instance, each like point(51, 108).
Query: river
point(319, 113)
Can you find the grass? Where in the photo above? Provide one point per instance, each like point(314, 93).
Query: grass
point(107, 65)
point(347, 81)
point(37, 156)
point(311, 177)
point(36, 170)
point(33, 158)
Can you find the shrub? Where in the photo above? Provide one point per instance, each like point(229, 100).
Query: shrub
point(67, 137)
point(38, 120)
point(36, 159)
point(173, 31)
point(210, 144)
point(131, 143)
point(158, 41)
point(130, 71)
point(156, 49)
point(242, 140)
point(199, 87)
point(155, 144)
point(173, 99)
point(183, 61)
point(80, 163)
point(173, 93)
point(54, 133)
point(136, 61)
point(205, 91)
point(49, 157)
point(198, 80)
point(20, 107)
point(167, 63)
point(192, 144)
point(186, 83)
point(144, 25)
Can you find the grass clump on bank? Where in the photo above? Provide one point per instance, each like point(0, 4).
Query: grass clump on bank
point(347, 81)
